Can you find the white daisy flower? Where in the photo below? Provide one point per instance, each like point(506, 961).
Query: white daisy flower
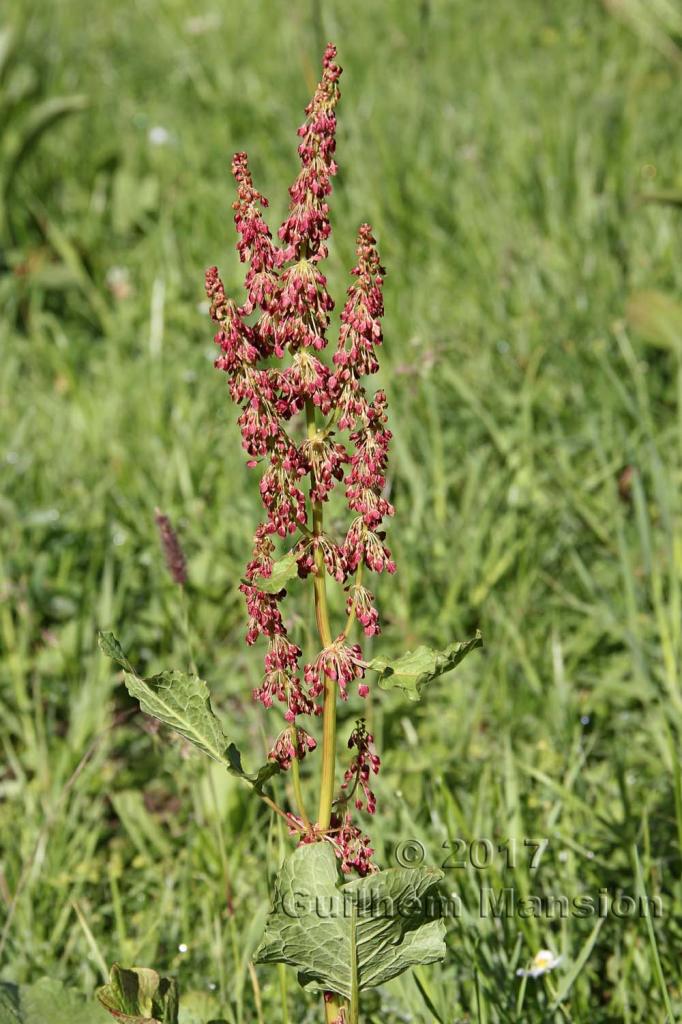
point(543, 961)
point(158, 135)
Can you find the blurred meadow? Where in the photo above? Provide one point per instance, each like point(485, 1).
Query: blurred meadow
point(520, 164)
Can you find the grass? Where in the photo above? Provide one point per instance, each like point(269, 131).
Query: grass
point(534, 369)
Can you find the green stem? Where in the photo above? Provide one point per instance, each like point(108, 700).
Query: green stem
point(322, 617)
point(273, 807)
point(283, 992)
point(332, 1007)
point(350, 621)
point(354, 1015)
point(296, 781)
point(328, 754)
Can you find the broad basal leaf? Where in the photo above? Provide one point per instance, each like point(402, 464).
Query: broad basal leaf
point(411, 670)
point(138, 995)
point(183, 702)
point(47, 1002)
point(283, 570)
point(395, 913)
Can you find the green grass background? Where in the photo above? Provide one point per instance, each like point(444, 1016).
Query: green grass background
point(533, 352)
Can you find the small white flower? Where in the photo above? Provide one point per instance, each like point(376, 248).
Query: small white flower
point(543, 961)
point(158, 135)
point(118, 282)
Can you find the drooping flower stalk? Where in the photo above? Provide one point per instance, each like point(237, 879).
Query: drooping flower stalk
point(272, 348)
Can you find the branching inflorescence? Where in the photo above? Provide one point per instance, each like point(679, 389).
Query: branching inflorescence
point(312, 430)
point(292, 404)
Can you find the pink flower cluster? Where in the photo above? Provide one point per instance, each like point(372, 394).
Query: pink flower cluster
point(358, 773)
point(339, 661)
point(272, 350)
point(285, 751)
point(352, 847)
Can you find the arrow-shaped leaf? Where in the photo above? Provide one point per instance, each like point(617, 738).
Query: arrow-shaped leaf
point(183, 703)
point(413, 669)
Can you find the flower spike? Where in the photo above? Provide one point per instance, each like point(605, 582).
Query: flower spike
point(272, 350)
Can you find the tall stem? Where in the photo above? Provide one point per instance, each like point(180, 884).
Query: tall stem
point(322, 617)
point(333, 1005)
point(296, 780)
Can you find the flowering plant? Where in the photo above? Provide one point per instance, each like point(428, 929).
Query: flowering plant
point(294, 408)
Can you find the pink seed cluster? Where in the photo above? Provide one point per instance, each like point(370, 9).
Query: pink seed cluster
point(352, 846)
point(365, 761)
point(291, 744)
point(272, 349)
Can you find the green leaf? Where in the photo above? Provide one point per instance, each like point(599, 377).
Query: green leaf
point(183, 703)
point(411, 670)
point(283, 570)
point(310, 926)
point(109, 645)
point(257, 779)
point(138, 995)
point(44, 1001)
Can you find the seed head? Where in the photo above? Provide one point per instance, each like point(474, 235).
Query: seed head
point(176, 562)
